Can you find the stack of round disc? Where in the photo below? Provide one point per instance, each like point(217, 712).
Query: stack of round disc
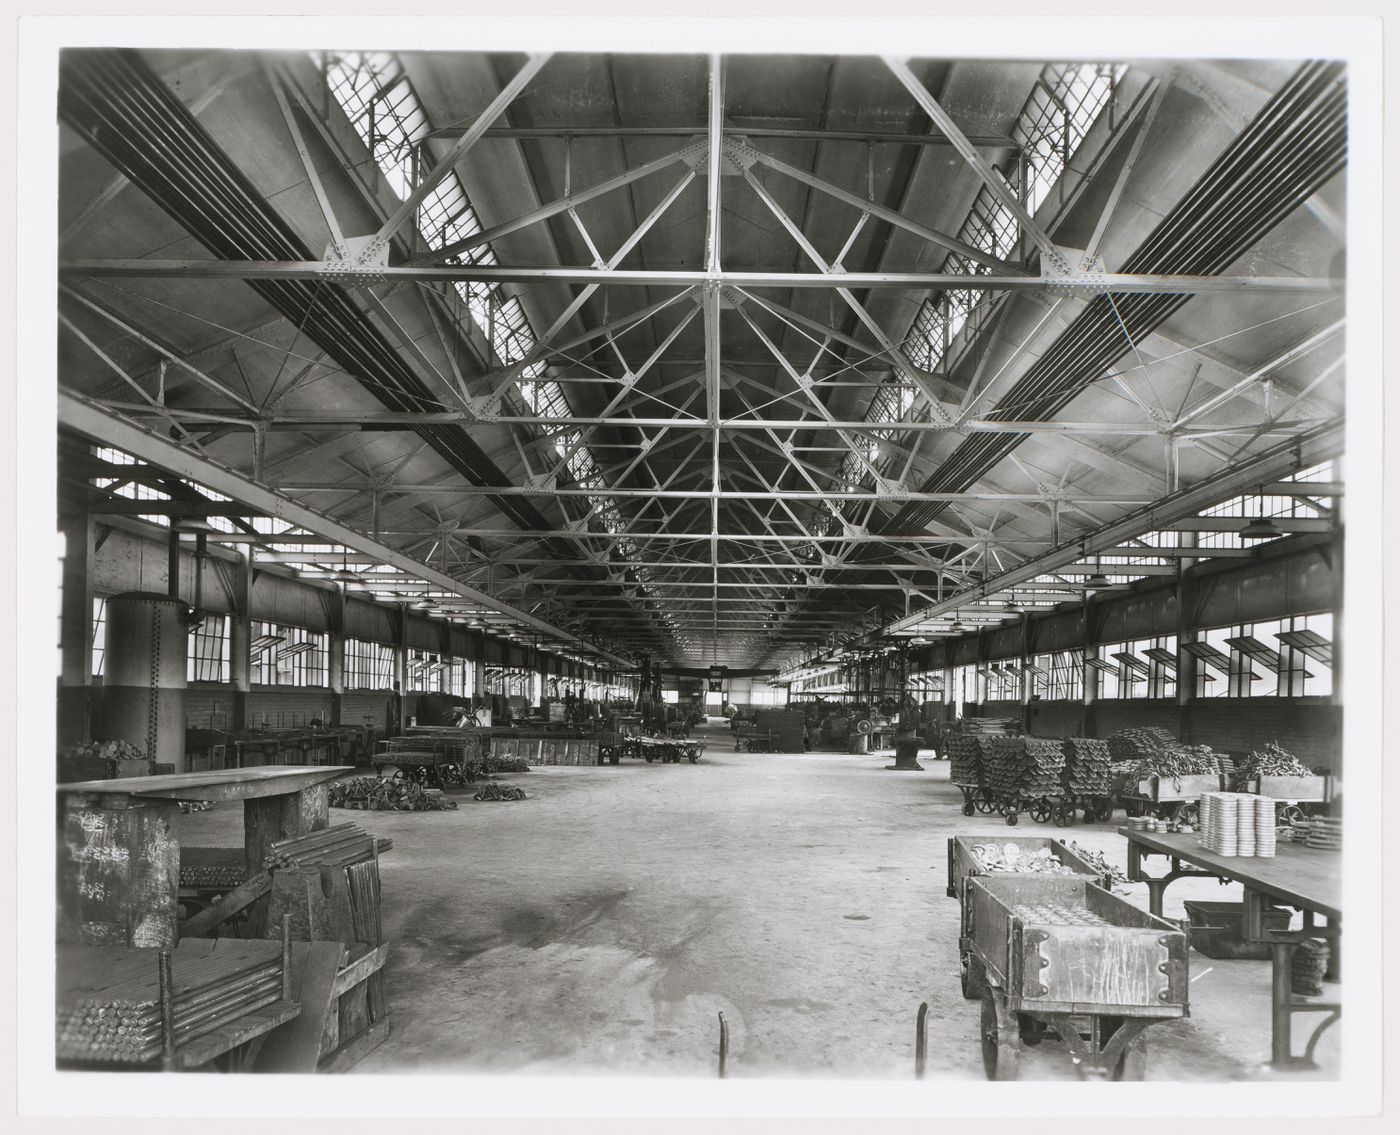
point(1203, 832)
point(1244, 803)
point(1325, 833)
point(1226, 814)
point(1310, 958)
point(1265, 828)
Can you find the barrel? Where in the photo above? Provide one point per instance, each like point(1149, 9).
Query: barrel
point(859, 742)
point(143, 689)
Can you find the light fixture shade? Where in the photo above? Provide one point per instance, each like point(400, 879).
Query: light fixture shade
point(1096, 582)
point(344, 575)
point(1261, 528)
point(423, 605)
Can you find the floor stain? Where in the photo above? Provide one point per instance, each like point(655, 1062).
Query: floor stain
point(856, 917)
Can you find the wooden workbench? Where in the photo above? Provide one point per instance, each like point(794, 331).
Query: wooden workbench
point(1308, 880)
point(119, 857)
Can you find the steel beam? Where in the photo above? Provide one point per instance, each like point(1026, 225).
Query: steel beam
point(1089, 284)
point(86, 417)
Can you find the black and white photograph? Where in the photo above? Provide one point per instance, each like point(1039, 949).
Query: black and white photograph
point(702, 569)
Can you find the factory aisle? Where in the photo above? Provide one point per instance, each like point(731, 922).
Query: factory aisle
point(603, 922)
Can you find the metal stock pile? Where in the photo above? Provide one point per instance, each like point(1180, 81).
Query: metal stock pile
point(1272, 760)
point(492, 790)
point(397, 794)
point(1152, 750)
point(506, 762)
point(993, 857)
point(337, 846)
point(1025, 767)
point(965, 760)
point(1099, 862)
point(116, 1014)
point(1058, 915)
point(992, 726)
point(1087, 767)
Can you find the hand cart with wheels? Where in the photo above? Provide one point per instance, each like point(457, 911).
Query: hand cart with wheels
point(1297, 796)
point(1060, 956)
point(1168, 797)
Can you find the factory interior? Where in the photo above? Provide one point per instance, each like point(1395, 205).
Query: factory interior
point(704, 565)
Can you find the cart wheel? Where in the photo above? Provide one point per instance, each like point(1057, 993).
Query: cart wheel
point(1132, 807)
point(982, 802)
point(1039, 811)
point(649, 758)
point(1032, 1031)
point(999, 1052)
point(1013, 817)
point(1065, 815)
point(968, 808)
point(1189, 814)
point(973, 975)
point(1290, 814)
point(1104, 811)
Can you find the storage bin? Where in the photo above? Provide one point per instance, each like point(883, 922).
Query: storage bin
point(1217, 929)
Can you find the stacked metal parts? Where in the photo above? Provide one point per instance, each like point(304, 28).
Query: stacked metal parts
point(109, 999)
point(1087, 767)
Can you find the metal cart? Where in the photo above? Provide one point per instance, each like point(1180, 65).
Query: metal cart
point(1056, 955)
point(1167, 797)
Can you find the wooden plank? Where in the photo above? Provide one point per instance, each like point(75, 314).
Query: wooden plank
point(230, 904)
point(358, 970)
point(353, 1051)
point(297, 1047)
point(219, 786)
point(1305, 876)
point(250, 1026)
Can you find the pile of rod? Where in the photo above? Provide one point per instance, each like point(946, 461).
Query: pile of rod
point(337, 846)
point(123, 1022)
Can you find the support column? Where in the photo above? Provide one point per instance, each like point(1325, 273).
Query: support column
point(75, 630)
point(396, 711)
point(335, 658)
point(240, 638)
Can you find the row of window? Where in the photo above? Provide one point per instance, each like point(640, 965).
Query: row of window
point(294, 656)
point(1280, 658)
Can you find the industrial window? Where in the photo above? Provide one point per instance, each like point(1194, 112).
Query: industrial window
point(1289, 506)
point(207, 659)
point(99, 634)
point(287, 656)
point(1060, 676)
point(966, 686)
point(368, 665)
point(1140, 668)
point(1279, 658)
point(425, 672)
point(383, 108)
point(1064, 103)
point(671, 697)
point(126, 487)
point(459, 678)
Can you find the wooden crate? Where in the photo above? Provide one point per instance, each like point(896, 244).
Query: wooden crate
point(1295, 789)
point(1165, 789)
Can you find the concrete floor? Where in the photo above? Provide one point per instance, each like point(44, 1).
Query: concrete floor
point(602, 923)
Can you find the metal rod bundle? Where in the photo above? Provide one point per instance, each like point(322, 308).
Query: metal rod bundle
point(151, 1006)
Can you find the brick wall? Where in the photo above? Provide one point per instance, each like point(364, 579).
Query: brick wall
point(1057, 718)
point(1113, 714)
point(1308, 728)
